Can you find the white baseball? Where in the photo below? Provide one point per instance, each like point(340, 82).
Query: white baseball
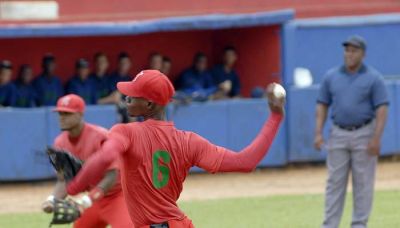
point(279, 91)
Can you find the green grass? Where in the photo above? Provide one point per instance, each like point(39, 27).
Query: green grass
point(275, 211)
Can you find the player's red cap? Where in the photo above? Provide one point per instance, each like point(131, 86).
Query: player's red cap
point(151, 85)
point(70, 103)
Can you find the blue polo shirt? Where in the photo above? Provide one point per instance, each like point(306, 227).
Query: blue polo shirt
point(8, 94)
point(353, 97)
point(115, 78)
point(102, 87)
point(48, 89)
point(219, 75)
point(26, 95)
point(195, 82)
point(83, 88)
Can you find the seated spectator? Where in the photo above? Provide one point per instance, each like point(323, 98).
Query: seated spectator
point(155, 61)
point(166, 66)
point(26, 94)
point(80, 83)
point(47, 85)
point(100, 80)
point(122, 73)
point(225, 76)
point(197, 81)
point(8, 92)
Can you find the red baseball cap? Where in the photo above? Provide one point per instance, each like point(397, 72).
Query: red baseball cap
point(70, 103)
point(149, 84)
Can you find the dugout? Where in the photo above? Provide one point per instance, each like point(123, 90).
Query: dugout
point(257, 37)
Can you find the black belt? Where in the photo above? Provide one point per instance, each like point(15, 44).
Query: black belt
point(160, 225)
point(354, 127)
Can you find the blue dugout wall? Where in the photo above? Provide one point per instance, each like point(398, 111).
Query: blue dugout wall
point(23, 134)
point(26, 132)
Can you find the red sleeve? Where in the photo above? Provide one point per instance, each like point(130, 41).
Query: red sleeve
point(96, 166)
point(205, 154)
point(115, 163)
point(247, 159)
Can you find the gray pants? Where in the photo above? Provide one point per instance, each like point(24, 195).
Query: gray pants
point(347, 150)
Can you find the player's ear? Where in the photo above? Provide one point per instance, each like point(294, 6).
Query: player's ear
point(150, 105)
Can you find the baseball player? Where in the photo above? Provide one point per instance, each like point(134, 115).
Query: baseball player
point(156, 157)
point(105, 203)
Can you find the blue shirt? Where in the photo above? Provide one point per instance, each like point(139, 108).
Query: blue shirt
point(115, 78)
point(195, 82)
point(83, 88)
point(102, 87)
point(26, 95)
point(353, 97)
point(48, 89)
point(219, 75)
point(8, 94)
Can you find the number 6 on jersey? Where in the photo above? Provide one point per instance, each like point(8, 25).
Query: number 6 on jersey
point(159, 168)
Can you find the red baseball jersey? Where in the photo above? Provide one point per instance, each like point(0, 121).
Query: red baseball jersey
point(85, 145)
point(156, 158)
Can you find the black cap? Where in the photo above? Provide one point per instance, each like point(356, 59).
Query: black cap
point(5, 64)
point(81, 63)
point(356, 41)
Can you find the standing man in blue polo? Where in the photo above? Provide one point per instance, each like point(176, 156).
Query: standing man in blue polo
point(358, 99)
point(47, 85)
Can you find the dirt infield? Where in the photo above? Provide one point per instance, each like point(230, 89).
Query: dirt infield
point(27, 197)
